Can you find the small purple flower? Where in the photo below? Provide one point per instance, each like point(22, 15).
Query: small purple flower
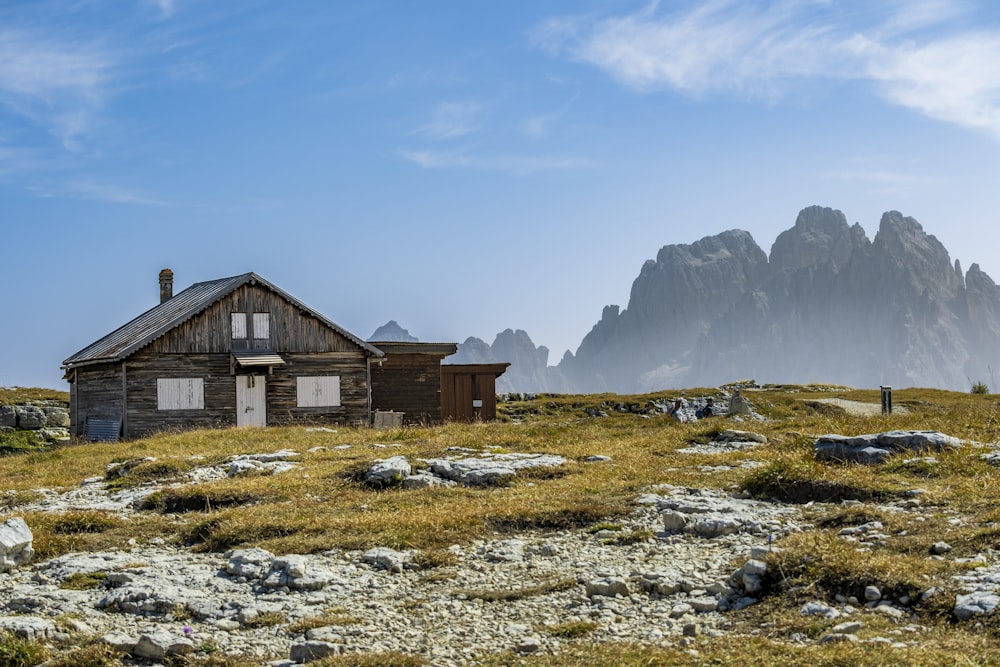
point(187, 629)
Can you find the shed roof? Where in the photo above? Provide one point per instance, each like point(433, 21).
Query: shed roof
point(411, 347)
point(133, 336)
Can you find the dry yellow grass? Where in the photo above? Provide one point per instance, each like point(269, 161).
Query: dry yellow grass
point(321, 504)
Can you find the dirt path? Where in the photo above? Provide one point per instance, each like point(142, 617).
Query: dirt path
point(858, 408)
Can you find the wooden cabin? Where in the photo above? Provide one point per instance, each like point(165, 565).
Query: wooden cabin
point(408, 380)
point(229, 352)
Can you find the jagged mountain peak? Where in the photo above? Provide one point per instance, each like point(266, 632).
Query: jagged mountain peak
point(828, 305)
point(820, 236)
point(392, 332)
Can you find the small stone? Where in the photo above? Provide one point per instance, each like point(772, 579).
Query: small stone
point(848, 627)
point(872, 593)
point(528, 644)
point(819, 609)
point(940, 548)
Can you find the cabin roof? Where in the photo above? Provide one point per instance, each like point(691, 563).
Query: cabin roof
point(155, 322)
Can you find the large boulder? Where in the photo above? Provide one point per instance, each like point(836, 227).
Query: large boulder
point(56, 417)
point(30, 417)
point(389, 472)
point(877, 447)
point(15, 544)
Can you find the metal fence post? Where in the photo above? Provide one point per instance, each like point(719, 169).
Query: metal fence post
point(886, 400)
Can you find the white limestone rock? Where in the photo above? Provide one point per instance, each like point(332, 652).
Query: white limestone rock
point(977, 603)
point(15, 544)
point(160, 644)
point(309, 651)
point(31, 628)
point(387, 559)
point(607, 587)
point(389, 472)
point(249, 563)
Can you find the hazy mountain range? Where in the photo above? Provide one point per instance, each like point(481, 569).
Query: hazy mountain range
point(827, 305)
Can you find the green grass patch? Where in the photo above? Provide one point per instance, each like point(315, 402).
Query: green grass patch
point(18, 652)
point(83, 581)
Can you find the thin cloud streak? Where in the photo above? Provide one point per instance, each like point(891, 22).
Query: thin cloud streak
point(755, 52)
point(515, 164)
point(452, 120)
point(111, 193)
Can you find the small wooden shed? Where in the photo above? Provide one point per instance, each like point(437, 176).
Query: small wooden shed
point(235, 351)
point(469, 391)
point(408, 380)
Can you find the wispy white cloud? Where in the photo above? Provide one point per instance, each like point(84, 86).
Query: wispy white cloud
point(111, 193)
point(540, 125)
point(515, 164)
point(955, 80)
point(56, 83)
point(913, 55)
point(166, 7)
point(452, 120)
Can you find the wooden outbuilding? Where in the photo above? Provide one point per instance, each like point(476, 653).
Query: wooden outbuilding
point(469, 391)
point(408, 380)
point(229, 352)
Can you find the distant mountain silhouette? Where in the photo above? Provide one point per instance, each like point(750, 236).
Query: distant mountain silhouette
point(392, 332)
point(829, 305)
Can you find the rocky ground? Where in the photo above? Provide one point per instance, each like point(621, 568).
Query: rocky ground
point(668, 571)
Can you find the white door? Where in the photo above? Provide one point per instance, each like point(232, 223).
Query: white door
point(251, 400)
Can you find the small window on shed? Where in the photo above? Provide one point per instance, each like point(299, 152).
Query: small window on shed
point(180, 394)
point(318, 392)
point(239, 326)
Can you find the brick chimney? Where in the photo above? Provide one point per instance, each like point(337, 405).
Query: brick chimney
point(166, 285)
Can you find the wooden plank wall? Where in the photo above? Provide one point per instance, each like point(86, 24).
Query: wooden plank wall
point(145, 368)
point(292, 330)
point(463, 384)
point(354, 398)
point(220, 390)
point(409, 383)
point(97, 392)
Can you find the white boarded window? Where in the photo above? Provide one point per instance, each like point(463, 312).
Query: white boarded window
point(318, 392)
point(180, 394)
point(239, 326)
point(261, 326)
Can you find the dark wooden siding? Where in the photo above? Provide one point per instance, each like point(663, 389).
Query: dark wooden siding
point(292, 330)
point(462, 384)
point(411, 384)
point(352, 369)
point(220, 390)
point(145, 368)
point(97, 393)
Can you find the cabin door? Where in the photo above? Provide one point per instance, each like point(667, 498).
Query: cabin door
point(251, 400)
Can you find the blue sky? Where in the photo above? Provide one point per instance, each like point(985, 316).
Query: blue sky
point(463, 167)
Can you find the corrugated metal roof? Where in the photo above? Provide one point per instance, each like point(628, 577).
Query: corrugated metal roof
point(133, 336)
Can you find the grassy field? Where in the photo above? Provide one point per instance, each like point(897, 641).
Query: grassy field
point(323, 504)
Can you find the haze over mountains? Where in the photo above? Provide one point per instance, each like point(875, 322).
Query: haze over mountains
point(828, 305)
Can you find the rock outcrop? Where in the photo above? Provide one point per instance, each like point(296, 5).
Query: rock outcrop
point(529, 369)
point(828, 305)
